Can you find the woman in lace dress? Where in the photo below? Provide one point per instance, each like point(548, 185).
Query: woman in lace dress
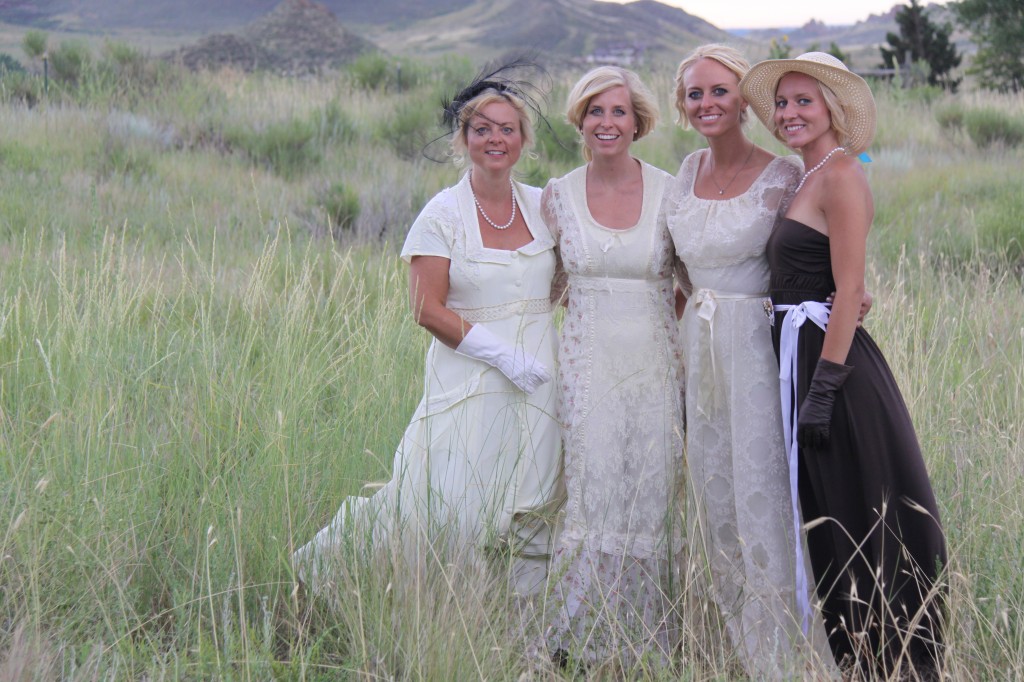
point(619, 383)
point(721, 208)
point(877, 548)
point(480, 459)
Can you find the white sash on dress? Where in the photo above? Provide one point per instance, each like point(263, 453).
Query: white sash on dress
point(795, 317)
point(706, 302)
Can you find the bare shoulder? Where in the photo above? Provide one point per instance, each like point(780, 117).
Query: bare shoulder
point(846, 174)
point(846, 193)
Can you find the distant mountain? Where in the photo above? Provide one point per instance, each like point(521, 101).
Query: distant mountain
point(859, 40)
point(870, 31)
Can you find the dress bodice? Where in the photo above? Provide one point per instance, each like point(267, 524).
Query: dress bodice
point(722, 241)
point(589, 249)
point(484, 283)
point(801, 263)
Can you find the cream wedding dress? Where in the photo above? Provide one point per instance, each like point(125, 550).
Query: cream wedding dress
point(614, 570)
point(479, 464)
point(737, 474)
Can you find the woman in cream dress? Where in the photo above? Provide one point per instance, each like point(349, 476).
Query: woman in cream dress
point(615, 567)
point(722, 206)
point(478, 466)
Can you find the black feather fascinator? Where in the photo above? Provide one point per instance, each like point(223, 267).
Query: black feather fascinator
point(519, 76)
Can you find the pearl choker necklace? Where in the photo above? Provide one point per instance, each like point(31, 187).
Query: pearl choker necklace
point(820, 164)
point(490, 222)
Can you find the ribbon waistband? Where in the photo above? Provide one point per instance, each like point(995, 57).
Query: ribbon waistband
point(796, 315)
point(706, 302)
point(619, 284)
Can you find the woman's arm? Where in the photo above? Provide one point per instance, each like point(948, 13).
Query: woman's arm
point(428, 293)
point(848, 212)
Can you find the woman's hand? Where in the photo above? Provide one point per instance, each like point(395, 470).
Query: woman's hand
point(865, 305)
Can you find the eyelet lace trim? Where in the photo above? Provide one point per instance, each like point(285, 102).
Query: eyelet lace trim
point(537, 306)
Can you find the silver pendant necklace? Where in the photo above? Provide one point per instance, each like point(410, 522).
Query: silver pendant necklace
point(490, 222)
point(817, 167)
point(721, 190)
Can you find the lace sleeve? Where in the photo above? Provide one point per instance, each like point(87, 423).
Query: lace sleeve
point(560, 282)
point(790, 170)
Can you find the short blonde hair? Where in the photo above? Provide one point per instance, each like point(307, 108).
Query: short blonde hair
point(460, 140)
point(602, 79)
point(729, 57)
point(838, 114)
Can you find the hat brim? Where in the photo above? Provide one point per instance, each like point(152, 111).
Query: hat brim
point(759, 85)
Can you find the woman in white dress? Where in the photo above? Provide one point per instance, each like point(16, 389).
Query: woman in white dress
point(722, 206)
point(479, 464)
point(620, 387)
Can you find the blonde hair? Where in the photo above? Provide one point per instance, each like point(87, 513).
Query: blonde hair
point(602, 79)
point(835, 108)
point(459, 141)
point(729, 57)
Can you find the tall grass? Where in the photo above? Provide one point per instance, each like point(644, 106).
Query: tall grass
point(193, 374)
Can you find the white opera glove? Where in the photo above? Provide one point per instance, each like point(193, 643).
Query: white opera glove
point(522, 369)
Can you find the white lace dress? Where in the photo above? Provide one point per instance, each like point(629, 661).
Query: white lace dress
point(620, 384)
point(736, 462)
point(480, 460)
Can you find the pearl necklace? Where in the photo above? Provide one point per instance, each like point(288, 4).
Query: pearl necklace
point(490, 222)
point(721, 190)
point(820, 164)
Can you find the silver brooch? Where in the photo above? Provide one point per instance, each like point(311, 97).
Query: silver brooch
point(769, 311)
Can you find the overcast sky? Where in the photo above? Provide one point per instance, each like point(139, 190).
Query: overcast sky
point(767, 14)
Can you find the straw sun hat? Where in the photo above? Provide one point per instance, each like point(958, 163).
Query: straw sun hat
point(854, 95)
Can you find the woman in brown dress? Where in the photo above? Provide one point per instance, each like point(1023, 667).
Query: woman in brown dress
point(875, 540)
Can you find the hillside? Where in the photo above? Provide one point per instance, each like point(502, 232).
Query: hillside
point(203, 15)
point(558, 28)
point(298, 36)
point(476, 28)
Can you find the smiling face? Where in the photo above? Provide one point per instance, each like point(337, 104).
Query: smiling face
point(801, 116)
point(712, 100)
point(609, 123)
point(494, 136)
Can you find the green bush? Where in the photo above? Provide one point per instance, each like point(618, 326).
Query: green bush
point(128, 65)
point(926, 94)
point(9, 64)
point(120, 156)
point(950, 116)
point(340, 203)
point(406, 128)
point(70, 61)
point(288, 148)
point(375, 72)
point(34, 44)
point(987, 127)
point(334, 124)
point(21, 87)
point(1001, 227)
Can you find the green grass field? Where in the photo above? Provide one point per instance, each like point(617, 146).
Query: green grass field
point(205, 345)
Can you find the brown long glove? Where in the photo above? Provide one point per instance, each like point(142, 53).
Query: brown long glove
point(812, 426)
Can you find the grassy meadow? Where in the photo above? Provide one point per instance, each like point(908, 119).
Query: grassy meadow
point(205, 345)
